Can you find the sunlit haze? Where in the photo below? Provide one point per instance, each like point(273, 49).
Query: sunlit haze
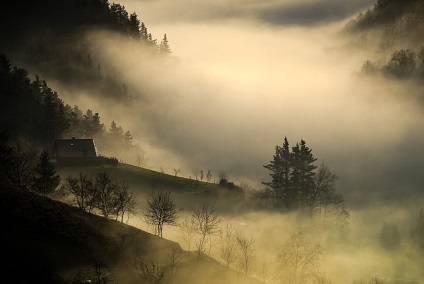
point(236, 84)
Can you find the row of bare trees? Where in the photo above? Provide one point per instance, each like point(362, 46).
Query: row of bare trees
point(101, 195)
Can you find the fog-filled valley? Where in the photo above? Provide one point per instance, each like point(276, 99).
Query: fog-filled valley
point(298, 125)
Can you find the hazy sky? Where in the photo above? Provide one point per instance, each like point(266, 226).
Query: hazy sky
point(244, 74)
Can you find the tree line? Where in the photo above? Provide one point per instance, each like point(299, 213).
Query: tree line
point(53, 38)
point(403, 64)
point(387, 12)
point(101, 195)
point(32, 112)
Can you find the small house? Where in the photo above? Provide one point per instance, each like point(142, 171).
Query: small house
point(75, 149)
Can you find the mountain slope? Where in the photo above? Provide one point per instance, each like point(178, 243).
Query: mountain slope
point(42, 239)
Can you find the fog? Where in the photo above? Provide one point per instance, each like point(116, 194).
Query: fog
point(239, 79)
point(237, 82)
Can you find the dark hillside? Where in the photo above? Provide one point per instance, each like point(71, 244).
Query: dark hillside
point(400, 21)
point(42, 239)
point(391, 33)
point(53, 39)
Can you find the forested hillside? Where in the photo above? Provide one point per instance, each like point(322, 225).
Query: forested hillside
point(53, 39)
point(33, 116)
point(407, 16)
point(393, 30)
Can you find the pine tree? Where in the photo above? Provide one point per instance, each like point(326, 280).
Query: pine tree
point(134, 25)
point(292, 175)
point(144, 35)
point(128, 141)
point(46, 180)
point(164, 46)
point(116, 132)
point(303, 172)
point(281, 167)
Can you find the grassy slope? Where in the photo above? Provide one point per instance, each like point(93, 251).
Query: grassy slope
point(187, 192)
point(41, 237)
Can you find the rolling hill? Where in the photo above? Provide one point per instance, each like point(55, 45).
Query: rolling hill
point(47, 241)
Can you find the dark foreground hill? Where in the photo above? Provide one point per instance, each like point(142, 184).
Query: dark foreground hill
point(46, 241)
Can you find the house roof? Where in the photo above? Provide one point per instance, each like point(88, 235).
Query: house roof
point(75, 148)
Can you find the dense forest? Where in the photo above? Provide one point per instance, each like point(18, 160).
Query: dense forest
point(55, 39)
point(34, 116)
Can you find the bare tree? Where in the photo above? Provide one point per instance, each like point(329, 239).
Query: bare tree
point(161, 210)
point(228, 251)
point(207, 223)
point(247, 252)
point(263, 273)
point(149, 271)
point(188, 229)
point(324, 187)
point(139, 154)
point(105, 195)
point(177, 171)
point(326, 204)
point(126, 201)
point(82, 190)
point(196, 173)
point(208, 176)
point(299, 259)
point(139, 158)
point(174, 256)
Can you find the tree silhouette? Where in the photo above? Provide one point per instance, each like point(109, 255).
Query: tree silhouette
point(46, 179)
point(281, 167)
point(21, 171)
point(164, 46)
point(247, 252)
point(228, 250)
point(126, 201)
point(5, 157)
point(292, 175)
point(299, 259)
point(206, 221)
point(82, 189)
point(161, 210)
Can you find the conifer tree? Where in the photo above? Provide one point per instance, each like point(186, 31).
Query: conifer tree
point(303, 173)
point(46, 180)
point(143, 33)
point(281, 167)
point(164, 46)
point(292, 175)
point(134, 25)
